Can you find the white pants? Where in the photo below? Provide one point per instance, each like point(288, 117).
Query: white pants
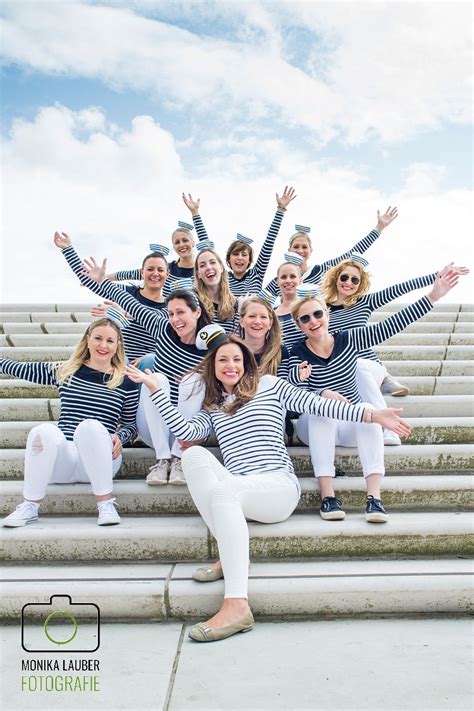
point(225, 502)
point(369, 378)
point(51, 459)
point(322, 434)
point(153, 429)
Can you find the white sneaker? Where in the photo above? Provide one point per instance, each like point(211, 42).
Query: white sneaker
point(27, 512)
point(158, 473)
point(390, 386)
point(108, 515)
point(176, 472)
point(391, 439)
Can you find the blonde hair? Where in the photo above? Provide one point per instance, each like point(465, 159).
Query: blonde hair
point(182, 231)
point(227, 301)
point(301, 234)
point(66, 370)
point(329, 284)
point(271, 356)
point(296, 305)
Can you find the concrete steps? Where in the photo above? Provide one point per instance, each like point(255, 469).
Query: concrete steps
point(302, 567)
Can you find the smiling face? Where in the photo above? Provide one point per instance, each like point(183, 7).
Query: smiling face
point(288, 278)
point(154, 273)
point(256, 321)
point(183, 320)
point(316, 326)
point(345, 286)
point(229, 365)
point(239, 261)
point(102, 343)
point(209, 269)
point(300, 244)
point(183, 244)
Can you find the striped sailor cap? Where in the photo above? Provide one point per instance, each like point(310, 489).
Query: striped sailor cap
point(267, 296)
point(303, 228)
point(201, 246)
point(185, 283)
point(304, 291)
point(210, 337)
point(185, 226)
point(293, 258)
point(120, 319)
point(243, 238)
point(357, 257)
point(159, 248)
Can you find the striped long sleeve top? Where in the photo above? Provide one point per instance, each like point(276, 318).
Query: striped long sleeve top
point(137, 341)
point(252, 280)
point(83, 396)
point(290, 333)
point(251, 440)
point(356, 316)
point(316, 273)
point(338, 372)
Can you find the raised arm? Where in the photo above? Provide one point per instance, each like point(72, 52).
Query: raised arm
point(193, 207)
point(40, 373)
point(265, 254)
point(385, 296)
point(125, 275)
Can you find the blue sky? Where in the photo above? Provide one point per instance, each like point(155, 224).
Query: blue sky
point(352, 103)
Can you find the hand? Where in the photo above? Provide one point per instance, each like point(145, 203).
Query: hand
point(62, 240)
point(333, 395)
point(389, 419)
point(116, 446)
point(443, 284)
point(288, 195)
point(304, 370)
point(384, 220)
point(138, 376)
point(450, 267)
point(184, 444)
point(136, 362)
point(99, 311)
point(193, 205)
point(91, 269)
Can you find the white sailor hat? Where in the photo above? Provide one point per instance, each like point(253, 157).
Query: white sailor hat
point(210, 337)
point(201, 246)
point(243, 238)
point(120, 319)
point(159, 248)
point(303, 228)
point(293, 258)
point(185, 226)
point(304, 291)
point(184, 283)
point(267, 296)
point(357, 257)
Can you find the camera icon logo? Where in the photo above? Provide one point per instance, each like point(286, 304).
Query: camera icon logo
point(60, 626)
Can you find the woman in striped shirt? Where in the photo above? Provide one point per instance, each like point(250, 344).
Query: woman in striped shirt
point(289, 277)
point(261, 333)
point(257, 480)
point(86, 444)
point(211, 284)
point(332, 359)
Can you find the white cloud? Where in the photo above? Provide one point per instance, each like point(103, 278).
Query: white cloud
point(368, 68)
point(116, 190)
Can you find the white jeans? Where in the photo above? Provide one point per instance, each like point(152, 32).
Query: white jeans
point(369, 377)
point(322, 434)
point(225, 502)
point(151, 426)
point(51, 459)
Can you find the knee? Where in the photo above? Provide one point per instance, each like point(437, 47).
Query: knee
point(89, 429)
point(41, 436)
point(194, 457)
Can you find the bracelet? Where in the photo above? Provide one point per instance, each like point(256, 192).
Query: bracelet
point(371, 417)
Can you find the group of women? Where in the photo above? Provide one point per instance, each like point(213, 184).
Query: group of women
point(198, 348)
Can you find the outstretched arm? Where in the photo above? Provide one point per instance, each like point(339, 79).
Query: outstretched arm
point(40, 373)
point(193, 207)
point(265, 254)
point(64, 243)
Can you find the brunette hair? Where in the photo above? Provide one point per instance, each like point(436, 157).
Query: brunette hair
point(155, 255)
point(191, 300)
point(227, 301)
point(329, 284)
point(271, 356)
point(236, 247)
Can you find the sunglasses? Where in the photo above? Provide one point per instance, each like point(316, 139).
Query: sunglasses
point(316, 314)
point(346, 277)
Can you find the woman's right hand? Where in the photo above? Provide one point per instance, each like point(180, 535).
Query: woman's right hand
point(62, 240)
point(100, 310)
point(138, 376)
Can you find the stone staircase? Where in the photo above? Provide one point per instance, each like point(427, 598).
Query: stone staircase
point(418, 562)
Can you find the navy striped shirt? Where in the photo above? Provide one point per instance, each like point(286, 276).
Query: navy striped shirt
point(84, 396)
point(338, 372)
point(251, 440)
point(290, 333)
point(316, 273)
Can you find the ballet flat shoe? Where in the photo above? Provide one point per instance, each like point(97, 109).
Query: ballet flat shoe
point(202, 633)
point(207, 575)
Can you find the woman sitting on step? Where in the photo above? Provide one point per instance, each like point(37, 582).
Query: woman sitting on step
point(257, 480)
point(85, 445)
point(333, 359)
point(261, 333)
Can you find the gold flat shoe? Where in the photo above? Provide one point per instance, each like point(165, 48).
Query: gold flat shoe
point(207, 575)
point(202, 633)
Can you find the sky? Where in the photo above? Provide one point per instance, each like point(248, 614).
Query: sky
point(110, 110)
